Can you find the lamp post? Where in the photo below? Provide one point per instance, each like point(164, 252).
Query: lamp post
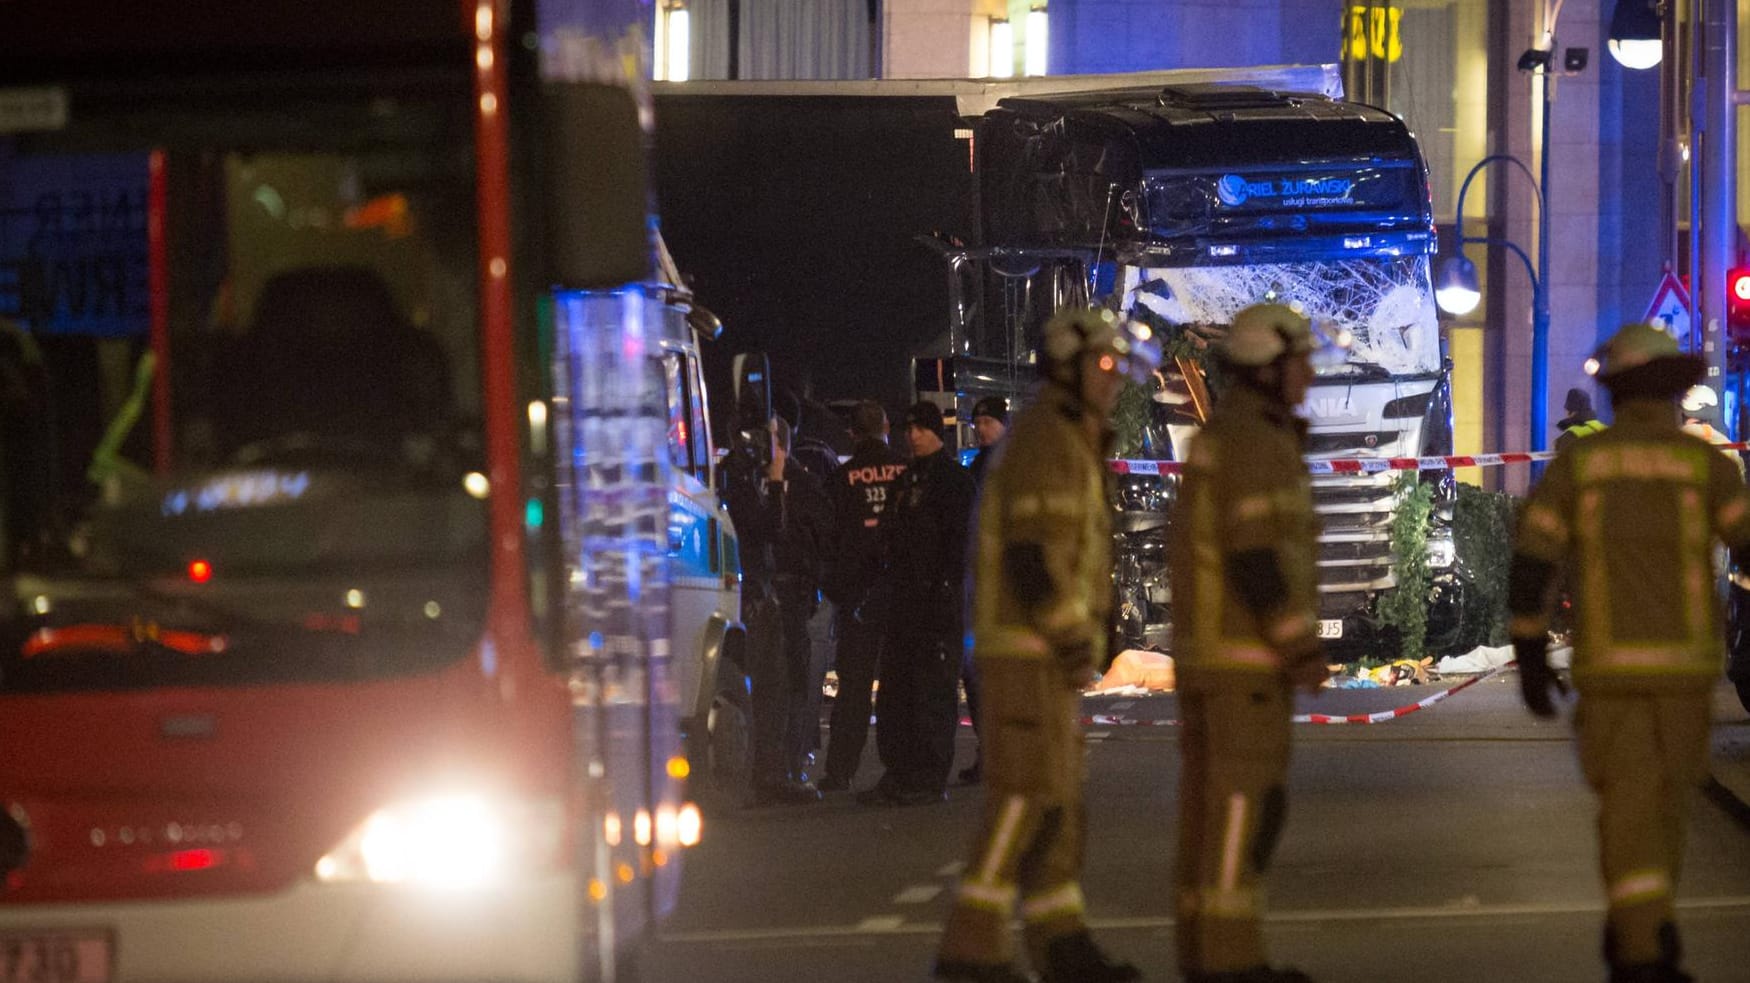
point(1455, 282)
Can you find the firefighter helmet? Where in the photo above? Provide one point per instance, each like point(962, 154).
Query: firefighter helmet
point(1635, 345)
point(1698, 399)
point(1075, 331)
point(1262, 333)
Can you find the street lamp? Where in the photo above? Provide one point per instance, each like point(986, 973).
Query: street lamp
point(1455, 286)
point(1634, 34)
point(1456, 291)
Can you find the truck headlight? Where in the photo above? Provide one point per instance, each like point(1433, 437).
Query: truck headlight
point(456, 841)
point(1441, 552)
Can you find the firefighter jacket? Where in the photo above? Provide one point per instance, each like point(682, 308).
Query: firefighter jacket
point(1045, 493)
point(861, 490)
point(1633, 514)
point(1245, 488)
point(1707, 432)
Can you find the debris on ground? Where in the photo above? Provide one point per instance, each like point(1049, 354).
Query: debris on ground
point(1400, 672)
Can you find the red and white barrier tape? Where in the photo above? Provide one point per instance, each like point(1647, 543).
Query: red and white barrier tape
point(1376, 465)
point(1112, 720)
point(1403, 711)
point(1359, 465)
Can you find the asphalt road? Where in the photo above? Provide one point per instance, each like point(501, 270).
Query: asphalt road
point(1452, 844)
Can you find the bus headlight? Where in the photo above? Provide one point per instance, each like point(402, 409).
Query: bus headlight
point(446, 842)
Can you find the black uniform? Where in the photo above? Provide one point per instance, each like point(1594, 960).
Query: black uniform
point(805, 525)
point(920, 667)
point(968, 668)
point(861, 489)
point(782, 527)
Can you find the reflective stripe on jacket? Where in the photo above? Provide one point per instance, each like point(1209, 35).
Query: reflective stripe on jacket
point(1046, 485)
point(1633, 513)
point(1245, 487)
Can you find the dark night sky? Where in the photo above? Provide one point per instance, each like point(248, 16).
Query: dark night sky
point(795, 219)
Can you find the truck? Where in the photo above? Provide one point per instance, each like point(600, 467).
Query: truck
point(1184, 194)
point(1181, 203)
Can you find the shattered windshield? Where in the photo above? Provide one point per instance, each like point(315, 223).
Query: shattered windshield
point(1387, 305)
point(240, 364)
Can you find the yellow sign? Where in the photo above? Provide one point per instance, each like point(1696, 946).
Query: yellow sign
point(1376, 31)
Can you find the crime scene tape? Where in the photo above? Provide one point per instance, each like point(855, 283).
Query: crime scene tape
point(1113, 720)
point(1359, 465)
point(1377, 465)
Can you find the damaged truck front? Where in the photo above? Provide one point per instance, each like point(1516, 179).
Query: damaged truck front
point(1180, 205)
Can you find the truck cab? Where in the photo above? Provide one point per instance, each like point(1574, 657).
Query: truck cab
point(1183, 203)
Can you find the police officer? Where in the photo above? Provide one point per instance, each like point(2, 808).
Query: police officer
point(1581, 421)
point(1242, 553)
point(804, 527)
point(778, 513)
point(861, 490)
point(1041, 593)
point(990, 421)
point(1634, 512)
point(918, 708)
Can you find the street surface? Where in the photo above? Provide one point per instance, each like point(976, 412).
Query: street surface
point(1453, 844)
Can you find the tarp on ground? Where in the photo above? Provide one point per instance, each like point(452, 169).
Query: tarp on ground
point(1138, 669)
point(1486, 657)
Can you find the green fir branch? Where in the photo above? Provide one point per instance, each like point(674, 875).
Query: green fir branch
point(1405, 606)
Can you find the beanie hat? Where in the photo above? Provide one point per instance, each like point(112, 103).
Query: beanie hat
point(925, 415)
point(995, 407)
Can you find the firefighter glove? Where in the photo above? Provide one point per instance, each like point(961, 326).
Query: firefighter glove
point(1304, 661)
point(1077, 662)
point(1536, 679)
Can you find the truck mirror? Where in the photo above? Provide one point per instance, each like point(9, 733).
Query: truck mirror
point(706, 324)
point(597, 194)
point(753, 388)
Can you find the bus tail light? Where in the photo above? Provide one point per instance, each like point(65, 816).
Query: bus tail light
point(449, 842)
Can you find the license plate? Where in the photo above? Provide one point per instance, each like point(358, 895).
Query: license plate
point(1330, 628)
point(71, 956)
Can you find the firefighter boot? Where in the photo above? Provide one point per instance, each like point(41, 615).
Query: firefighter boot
point(1076, 959)
point(1665, 970)
point(968, 972)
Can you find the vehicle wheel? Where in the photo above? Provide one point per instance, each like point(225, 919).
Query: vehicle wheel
point(723, 754)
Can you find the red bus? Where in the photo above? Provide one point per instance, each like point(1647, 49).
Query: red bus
point(370, 598)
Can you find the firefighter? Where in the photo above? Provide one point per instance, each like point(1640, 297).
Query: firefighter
point(1242, 554)
point(1632, 513)
point(1041, 590)
point(1701, 409)
point(861, 489)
